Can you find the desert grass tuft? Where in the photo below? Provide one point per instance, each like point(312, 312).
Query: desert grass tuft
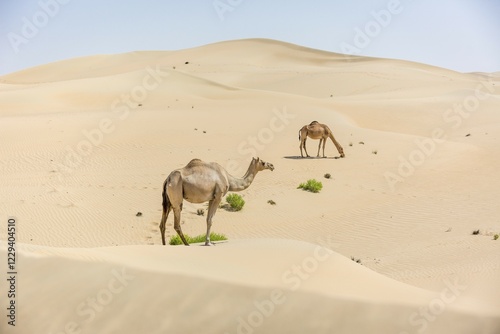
point(235, 201)
point(176, 240)
point(311, 185)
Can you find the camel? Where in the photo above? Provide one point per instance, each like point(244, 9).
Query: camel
point(199, 182)
point(319, 131)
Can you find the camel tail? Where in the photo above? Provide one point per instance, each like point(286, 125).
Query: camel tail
point(166, 200)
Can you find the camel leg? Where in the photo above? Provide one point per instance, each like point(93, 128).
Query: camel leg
point(167, 206)
point(164, 218)
point(302, 143)
point(177, 225)
point(305, 149)
point(324, 144)
point(213, 205)
point(319, 146)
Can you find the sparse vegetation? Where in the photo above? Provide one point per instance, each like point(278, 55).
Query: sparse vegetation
point(374, 151)
point(175, 240)
point(311, 185)
point(200, 212)
point(235, 201)
point(327, 176)
point(496, 236)
point(475, 232)
point(356, 260)
point(138, 214)
point(271, 202)
point(350, 144)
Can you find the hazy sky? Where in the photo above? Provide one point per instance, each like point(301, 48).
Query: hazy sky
point(463, 35)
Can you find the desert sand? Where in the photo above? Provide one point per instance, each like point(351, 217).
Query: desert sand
point(88, 142)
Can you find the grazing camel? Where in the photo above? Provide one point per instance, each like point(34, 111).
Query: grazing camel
point(200, 182)
point(319, 131)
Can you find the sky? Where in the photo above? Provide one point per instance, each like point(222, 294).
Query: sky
point(462, 35)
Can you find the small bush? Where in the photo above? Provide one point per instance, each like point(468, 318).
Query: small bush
point(495, 237)
point(327, 176)
point(311, 185)
point(200, 212)
point(271, 202)
point(235, 201)
point(475, 232)
point(356, 260)
point(176, 240)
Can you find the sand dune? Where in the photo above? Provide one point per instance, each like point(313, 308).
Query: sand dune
point(88, 142)
point(158, 290)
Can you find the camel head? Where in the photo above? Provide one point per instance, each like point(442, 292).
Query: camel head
point(261, 164)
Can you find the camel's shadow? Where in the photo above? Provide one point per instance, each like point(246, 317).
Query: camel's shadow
point(214, 243)
point(298, 157)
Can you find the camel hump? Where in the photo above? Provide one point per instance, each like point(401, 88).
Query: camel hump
point(314, 122)
point(195, 162)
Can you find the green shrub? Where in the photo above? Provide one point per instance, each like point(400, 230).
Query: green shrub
point(311, 185)
point(176, 240)
point(235, 201)
point(495, 237)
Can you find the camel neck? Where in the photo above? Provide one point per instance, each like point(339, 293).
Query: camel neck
point(239, 184)
point(335, 142)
